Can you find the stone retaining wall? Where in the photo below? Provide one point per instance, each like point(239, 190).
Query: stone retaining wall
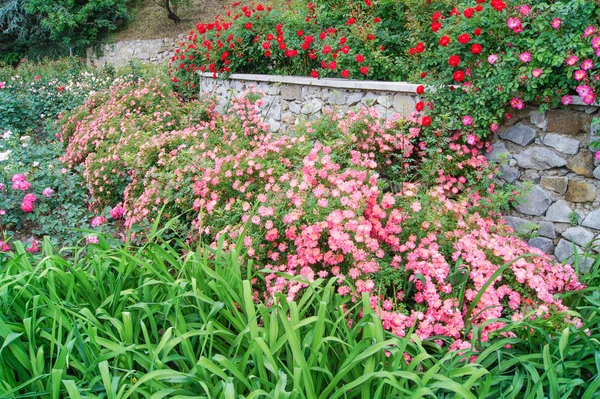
point(121, 53)
point(549, 150)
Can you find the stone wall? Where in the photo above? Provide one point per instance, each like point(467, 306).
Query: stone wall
point(121, 53)
point(291, 99)
point(549, 151)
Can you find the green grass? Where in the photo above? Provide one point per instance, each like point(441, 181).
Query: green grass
point(114, 321)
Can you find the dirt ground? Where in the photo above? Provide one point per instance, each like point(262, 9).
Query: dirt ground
point(150, 20)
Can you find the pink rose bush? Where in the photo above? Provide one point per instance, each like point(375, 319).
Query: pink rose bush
point(352, 197)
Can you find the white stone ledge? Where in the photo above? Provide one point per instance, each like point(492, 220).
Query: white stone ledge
point(396, 87)
point(333, 83)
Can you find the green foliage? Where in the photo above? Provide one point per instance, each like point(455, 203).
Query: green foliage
point(119, 321)
point(79, 24)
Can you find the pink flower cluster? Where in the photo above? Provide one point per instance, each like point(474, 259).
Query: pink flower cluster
point(20, 182)
point(310, 204)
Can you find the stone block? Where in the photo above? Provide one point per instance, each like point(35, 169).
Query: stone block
point(508, 173)
point(539, 119)
point(535, 203)
point(562, 143)
point(403, 104)
point(543, 244)
point(291, 92)
point(546, 229)
point(498, 152)
point(582, 164)
point(557, 184)
point(560, 211)
point(295, 107)
point(311, 107)
point(592, 220)
point(580, 191)
point(568, 122)
point(579, 235)
point(336, 97)
point(519, 134)
point(519, 225)
point(539, 158)
point(354, 98)
point(596, 172)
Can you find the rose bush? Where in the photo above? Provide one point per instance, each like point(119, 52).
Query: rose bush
point(481, 60)
point(324, 200)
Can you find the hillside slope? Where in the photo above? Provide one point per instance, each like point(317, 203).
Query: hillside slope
point(150, 20)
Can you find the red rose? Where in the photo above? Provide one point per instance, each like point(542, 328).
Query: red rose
point(364, 70)
point(360, 58)
point(423, 74)
point(444, 41)
point(420, 47)
point(370, 36)
point(476, 48)
point(436, 26)
point(420, 105)
point(420, 89)
point(332, 65)
point(345, 73)
point(468, 12)
point(266, 45)
point(454, 11)
point(426, 121)
point(459, 76)
point(327, 49)
point(436, 15)
point(345, 49)
point(454, 60)
point(411, 51)
point(314, 74)
point(479, 8)
point(376, 20)
point(351, 21)
point(498, 5)
point(477, 32)
point(300, 33)
point(464, 38)
point(248, 25)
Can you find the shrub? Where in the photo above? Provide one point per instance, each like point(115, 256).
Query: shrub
point(313, 203)
point(476, 57)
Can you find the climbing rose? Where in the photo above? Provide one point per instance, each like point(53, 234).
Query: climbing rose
point(454, 60)
point(459, 76)
point(476, 48)
point(464, 38)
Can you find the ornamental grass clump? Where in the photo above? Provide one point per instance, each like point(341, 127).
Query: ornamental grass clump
point(327, 200)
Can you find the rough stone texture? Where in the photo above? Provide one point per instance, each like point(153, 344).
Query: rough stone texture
point(546, 229)
point(539, 119)
point(545, 245)
point(291, 92)
point(404, 104)
point(354, 98)
point(497, 153)
point(519, 134)
point(560, 211)
point(564, 250)
point(311, 107)
point(579, 235)
point(582, 164)
point(519, 225)
point(566, 122)
point(118, 54)
point(562, 143)
point(558, 184)
point(580, 191)
point(508, 173)
point(536, 202)
point(592, 220)
point(597, 173)
point(539, 158)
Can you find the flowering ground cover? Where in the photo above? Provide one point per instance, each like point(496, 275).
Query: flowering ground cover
point(324, 200)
